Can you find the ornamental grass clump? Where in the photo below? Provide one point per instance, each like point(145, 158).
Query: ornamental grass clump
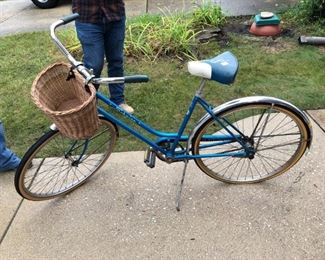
point(150, 37)
point(208, 14)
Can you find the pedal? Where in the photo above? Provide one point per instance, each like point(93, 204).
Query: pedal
point(150, 158)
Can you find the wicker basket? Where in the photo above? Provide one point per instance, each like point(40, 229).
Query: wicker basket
point(65, 101)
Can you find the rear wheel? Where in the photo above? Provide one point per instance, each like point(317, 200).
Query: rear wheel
point(44, 4)
point(276, 136)
point(56, 165)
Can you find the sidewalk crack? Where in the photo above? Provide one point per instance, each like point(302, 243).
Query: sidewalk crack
point(11, 221)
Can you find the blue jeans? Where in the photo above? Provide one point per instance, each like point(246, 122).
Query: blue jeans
point(104, 39)
point(8, 160)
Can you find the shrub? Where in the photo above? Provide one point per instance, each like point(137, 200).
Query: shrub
point(309, 11)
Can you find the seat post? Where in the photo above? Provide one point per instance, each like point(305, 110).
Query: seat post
point(200, 90)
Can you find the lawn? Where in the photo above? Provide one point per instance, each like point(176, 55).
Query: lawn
point(274, 67)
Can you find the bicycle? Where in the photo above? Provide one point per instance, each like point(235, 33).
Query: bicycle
point(247, 140)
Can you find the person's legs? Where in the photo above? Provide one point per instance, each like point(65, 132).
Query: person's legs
point(114, 44)
point(8, 160)
point(91, 37)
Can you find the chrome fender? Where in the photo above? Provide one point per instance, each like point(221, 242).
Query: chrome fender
point(255, 100)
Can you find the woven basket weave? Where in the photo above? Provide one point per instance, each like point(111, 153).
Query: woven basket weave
point(66, 101)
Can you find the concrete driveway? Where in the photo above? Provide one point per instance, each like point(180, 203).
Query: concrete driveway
point(22, 16)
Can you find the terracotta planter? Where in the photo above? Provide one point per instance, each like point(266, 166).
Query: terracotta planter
point(265, 30)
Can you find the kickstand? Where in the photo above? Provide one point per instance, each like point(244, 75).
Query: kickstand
point(179, 193)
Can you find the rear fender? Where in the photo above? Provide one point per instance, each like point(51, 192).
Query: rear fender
point(255, 100)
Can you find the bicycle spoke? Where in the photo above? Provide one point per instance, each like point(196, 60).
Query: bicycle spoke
point(279, 145)
point(61, 164)
point(275, 135)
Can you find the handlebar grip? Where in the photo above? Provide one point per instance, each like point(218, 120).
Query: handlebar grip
point(136, 79)
point(70, 18)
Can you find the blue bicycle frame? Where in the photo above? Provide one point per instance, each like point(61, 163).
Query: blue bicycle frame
point(175, 138)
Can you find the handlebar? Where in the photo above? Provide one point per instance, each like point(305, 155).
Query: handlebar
point(70, 18)
point(89, 77)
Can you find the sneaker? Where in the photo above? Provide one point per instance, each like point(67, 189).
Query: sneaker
point(127, 108)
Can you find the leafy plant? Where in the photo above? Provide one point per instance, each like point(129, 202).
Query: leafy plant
point(208, 14)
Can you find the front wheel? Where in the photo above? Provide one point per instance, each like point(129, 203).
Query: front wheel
point(56, 165)
point(45, 4)
point(275, 139)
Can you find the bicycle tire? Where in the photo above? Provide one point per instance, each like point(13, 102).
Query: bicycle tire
point(273, 153)
point(53, 166)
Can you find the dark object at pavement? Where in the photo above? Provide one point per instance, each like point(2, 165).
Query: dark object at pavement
point(209, 34)
point(44, 4)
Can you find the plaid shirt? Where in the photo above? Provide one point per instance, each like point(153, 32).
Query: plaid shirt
point(97, 11)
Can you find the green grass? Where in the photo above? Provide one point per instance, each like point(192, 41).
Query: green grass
point(22, 57)
point(281, 69)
